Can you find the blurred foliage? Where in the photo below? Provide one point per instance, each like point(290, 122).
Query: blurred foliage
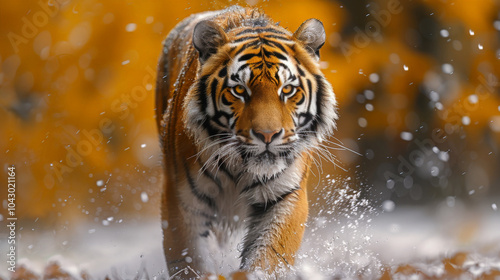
point(77, 81)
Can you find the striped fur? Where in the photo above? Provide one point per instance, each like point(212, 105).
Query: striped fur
point(241, 104)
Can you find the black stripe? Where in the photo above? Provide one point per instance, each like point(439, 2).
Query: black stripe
point(309, 87)
point(234, 122)
point(202, 94)
point(259, 209)
point(242, 67)
point(320, 93)
point(248, 56)
point(197, 212)
point(267, 53)
point(280, 56)
point(194, 190)
point(260, 30)
point(301, 72)
point(276, 252)
point(246, 38)
point(301, 100)
point(250, 187)
point(225, 101)
point(280, 38)
point(223, 72)
point(274, 43)
point(219, 115)
point(224, 169)
point(214, 179)
point(205, 123)
point(247, 46)
point(213, 92)
point(283, 65)
point(236, 77)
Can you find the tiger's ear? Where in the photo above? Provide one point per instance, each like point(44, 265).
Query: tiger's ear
point(207, 38)
point(312, 35)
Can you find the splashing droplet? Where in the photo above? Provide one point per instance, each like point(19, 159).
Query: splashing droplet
point(131, 27)
point(144, 197)
point(447, 68)
point(388, 205)
point(407, 136)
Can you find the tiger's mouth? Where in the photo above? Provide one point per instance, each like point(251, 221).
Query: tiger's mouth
point(266, 157)
point(267, 163)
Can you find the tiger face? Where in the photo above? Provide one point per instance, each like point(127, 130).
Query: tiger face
point(260, 101)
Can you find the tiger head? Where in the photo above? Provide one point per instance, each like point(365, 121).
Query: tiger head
point(261, 100)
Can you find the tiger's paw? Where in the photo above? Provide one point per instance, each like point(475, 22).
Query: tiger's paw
point(238, 275)
point(246, 275)
point(212, 277)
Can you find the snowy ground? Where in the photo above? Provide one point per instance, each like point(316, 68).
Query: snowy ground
point(360, 240)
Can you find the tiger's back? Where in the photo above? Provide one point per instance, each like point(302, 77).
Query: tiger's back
point(241, 104)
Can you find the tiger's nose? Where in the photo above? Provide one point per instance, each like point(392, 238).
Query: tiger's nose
point(267, 136)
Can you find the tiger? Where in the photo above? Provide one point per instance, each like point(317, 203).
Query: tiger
point(241, 107)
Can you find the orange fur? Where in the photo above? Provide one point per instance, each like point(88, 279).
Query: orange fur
point(190, 80)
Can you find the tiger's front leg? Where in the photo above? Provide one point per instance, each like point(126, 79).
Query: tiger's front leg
point(275, 233)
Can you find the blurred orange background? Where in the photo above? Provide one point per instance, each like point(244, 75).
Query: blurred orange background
point(77, 83)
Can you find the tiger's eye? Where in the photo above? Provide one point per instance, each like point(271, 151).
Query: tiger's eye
point(287, 89)
point(239, 89)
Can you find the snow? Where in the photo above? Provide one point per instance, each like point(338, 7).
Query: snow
point(388, 206)
point(345, 237)
point(390, 184)
point(407, 136)
point(394, 58)
point(447, 68)
point(443, 156)
point(150, 19)
point(131, 27)
point(144, 197)
point(362, 122)
point(439, 106)
point(465, 120)
point(369, 94)
point(374, 78)
point(473, 98)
